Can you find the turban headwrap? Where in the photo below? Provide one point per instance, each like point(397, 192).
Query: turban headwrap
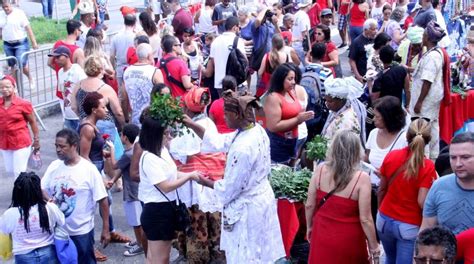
point(415, 34)
point(242, 105)
point(343, 88)
point(10, 78)
point(435, 32)
point(194, 100)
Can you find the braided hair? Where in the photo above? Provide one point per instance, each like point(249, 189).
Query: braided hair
point(27, 193)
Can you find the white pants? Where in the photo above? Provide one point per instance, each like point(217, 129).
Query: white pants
point(434, 143)
point(16, 161)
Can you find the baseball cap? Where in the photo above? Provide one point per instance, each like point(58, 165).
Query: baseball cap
point(126, 10)
point(85, 8)
point(326, 11)
point(60, 51)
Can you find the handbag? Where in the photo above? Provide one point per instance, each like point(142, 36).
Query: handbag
point(106, 16)
point(6, 246)
point(66, 250)
point(34, 161)
point(182, 217)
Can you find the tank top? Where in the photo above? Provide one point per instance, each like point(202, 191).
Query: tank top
point(81, 95)
point(205, 21)
point(194, 60)
point(357, 16)
point(288, 111)
point(97, 143)
point(138, 80)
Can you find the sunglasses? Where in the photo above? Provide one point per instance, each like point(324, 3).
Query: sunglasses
point(424, 260)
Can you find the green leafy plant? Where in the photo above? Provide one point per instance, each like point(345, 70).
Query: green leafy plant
point(317, 147)
point(290, 184)
point(168, 110)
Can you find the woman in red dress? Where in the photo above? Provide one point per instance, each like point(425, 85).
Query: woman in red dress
point(338, 213)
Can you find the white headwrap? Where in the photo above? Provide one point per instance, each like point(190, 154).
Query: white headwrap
point(343, 88)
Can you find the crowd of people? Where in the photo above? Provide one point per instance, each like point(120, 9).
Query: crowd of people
point(255, 83)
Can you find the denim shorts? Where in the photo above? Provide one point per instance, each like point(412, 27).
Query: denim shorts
point(16, 50)
point(43, 255)
point(281, 149)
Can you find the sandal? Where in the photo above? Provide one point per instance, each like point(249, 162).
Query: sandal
point(99, 256)
point(116, 237)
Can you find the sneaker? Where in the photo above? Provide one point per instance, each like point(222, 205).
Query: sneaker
point(130, 244)
point(135, 250)
point(342, 45)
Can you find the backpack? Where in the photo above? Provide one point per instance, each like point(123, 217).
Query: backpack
point(312, 84)
point(237, 63)
point(170, 78)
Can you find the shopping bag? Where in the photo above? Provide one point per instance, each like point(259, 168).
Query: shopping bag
point(5, 246)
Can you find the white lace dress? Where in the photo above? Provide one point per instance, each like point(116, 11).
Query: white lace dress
point(249, 203)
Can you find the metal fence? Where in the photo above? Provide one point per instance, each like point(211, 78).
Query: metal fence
point(40, 89)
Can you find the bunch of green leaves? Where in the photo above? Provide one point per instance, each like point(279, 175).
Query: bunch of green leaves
point(290, 184)
point(459, 90)
point(316, 148)
point(168, 110)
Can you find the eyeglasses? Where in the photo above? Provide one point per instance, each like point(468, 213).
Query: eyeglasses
point(419, 260)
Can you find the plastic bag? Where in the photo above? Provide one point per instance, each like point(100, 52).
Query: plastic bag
point(5, 246)
point(34, 161)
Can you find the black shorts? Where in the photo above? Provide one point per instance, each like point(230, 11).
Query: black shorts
point(158, 221)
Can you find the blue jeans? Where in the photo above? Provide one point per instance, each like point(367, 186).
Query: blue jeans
point(354, 32)
point(42, 255)
point(398, 239)
point(108, 127)
point(16, 50)
point(47, 8)
point(85, 247)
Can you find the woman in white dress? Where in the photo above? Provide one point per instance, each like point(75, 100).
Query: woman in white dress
point(250, 230)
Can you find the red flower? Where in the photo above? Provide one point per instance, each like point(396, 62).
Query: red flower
point(105, 136)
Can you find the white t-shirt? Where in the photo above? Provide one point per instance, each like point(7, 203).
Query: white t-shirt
point(377, 154)
point(138, 81)
point(83, 37)
point(23, 242)
point(377, 13)
point(76, 190)
point(66, 82)
point(302, 23)
point(154, 170)
point(220, 53)
point(13, 25)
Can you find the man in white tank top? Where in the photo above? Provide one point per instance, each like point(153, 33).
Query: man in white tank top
point(139, 80)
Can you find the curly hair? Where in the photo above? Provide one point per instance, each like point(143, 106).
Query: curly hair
point(93, 66)
point(91, 101)
point(392, 113)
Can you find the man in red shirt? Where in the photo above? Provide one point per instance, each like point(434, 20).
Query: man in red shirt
point(73, 28)
point(176, 73)
point(182, 18)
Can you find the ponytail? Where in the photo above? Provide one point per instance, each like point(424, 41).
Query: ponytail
point(418, 136)
point(277, 44)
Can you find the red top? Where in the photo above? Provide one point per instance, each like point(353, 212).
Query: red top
point(466, 246)
point(288, 111)
point(176, 68)
point(217, 112)
point(401, 200)
point(344, 9)
point(14, 132)
point(357, 16)
point(313, 15)
point(72, 48)
point(322, 4)
point(182, 20)
point(132, 57)
point(330, 47)
point(335, 223)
